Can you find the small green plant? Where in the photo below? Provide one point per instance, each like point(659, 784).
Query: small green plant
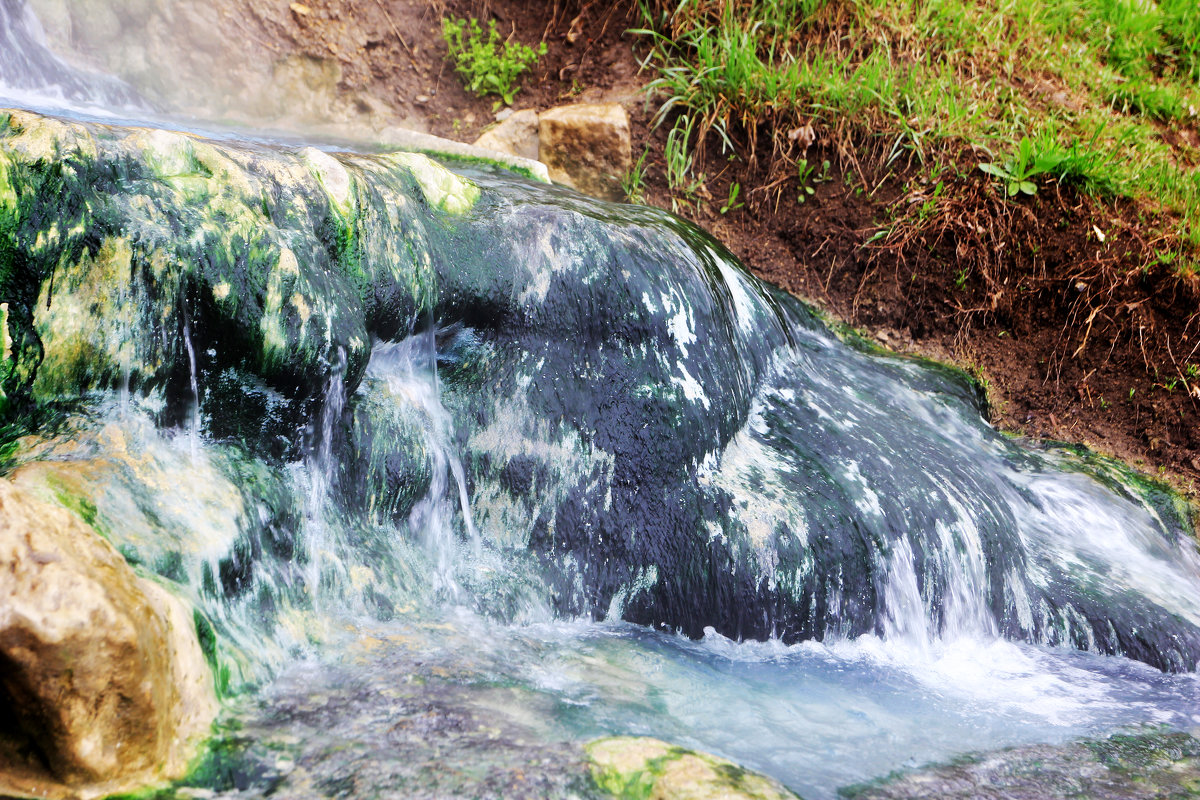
point(929, 206)
point(1078, 163)
point(487, 66)
point(1017, 171)
point(732, 203)
point(1166, 258)
point(806, 189)
point(634, 181)
point(679, 161)
point(980, 377)
point(809, 176)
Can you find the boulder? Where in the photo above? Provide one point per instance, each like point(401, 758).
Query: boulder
point(107, 684)
point(638, 766)
point(515, 136)
point(587, 147)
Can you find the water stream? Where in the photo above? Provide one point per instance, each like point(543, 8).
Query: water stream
point(459, 489)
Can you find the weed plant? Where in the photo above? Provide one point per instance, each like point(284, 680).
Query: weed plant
point(488, 65)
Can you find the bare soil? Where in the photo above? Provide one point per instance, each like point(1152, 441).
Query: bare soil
point(1055, 302)
point(393, 50)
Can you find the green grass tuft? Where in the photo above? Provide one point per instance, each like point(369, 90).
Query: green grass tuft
point(1073, 91)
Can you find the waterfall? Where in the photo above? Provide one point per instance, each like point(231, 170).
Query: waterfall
point(409, 369)
point(36, 78)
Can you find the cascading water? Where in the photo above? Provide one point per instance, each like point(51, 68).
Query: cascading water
point(409, 370)
point(32, 75)
point(415, 439)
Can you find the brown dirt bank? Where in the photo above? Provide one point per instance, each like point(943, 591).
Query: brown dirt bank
point(1058, 303)
point(393, 52)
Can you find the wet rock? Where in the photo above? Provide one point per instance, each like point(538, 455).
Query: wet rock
point(441, 188)
point(516, 135)
point(587, 147)
point(609, 427)
point(1121, 767)
point(103, 670)
point(351, 730)
point(305, 308)
point(635, 766)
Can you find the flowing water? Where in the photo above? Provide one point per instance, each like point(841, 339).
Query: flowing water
point(33, 77)
point(458, 484)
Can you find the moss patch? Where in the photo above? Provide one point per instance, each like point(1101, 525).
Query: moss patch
point(641, 768)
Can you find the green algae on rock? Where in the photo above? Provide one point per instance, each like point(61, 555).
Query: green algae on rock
point(642, 768)
point(119, 244)
point(442, 188)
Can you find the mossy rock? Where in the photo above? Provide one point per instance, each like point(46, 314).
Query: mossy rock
point(138, 258)
point(642, 768)
point(1126, 766)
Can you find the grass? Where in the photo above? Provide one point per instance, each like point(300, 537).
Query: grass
point(679, 162)
point(633, 184)
point(1096, 94)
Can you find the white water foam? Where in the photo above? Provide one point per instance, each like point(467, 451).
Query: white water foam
point(409, 368)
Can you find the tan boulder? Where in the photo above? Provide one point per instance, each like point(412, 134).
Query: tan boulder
point(108, 687)
point(638, 766)
point(587, 147)
point(515, 136)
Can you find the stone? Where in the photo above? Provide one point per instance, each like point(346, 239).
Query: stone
point(108, 686)
point(442, 188)
point(404, 139)
point(517, 135)
point(586, 147)
point(638, 766)
point(1133, 766)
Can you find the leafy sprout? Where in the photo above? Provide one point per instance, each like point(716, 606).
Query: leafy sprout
point(488, 65)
